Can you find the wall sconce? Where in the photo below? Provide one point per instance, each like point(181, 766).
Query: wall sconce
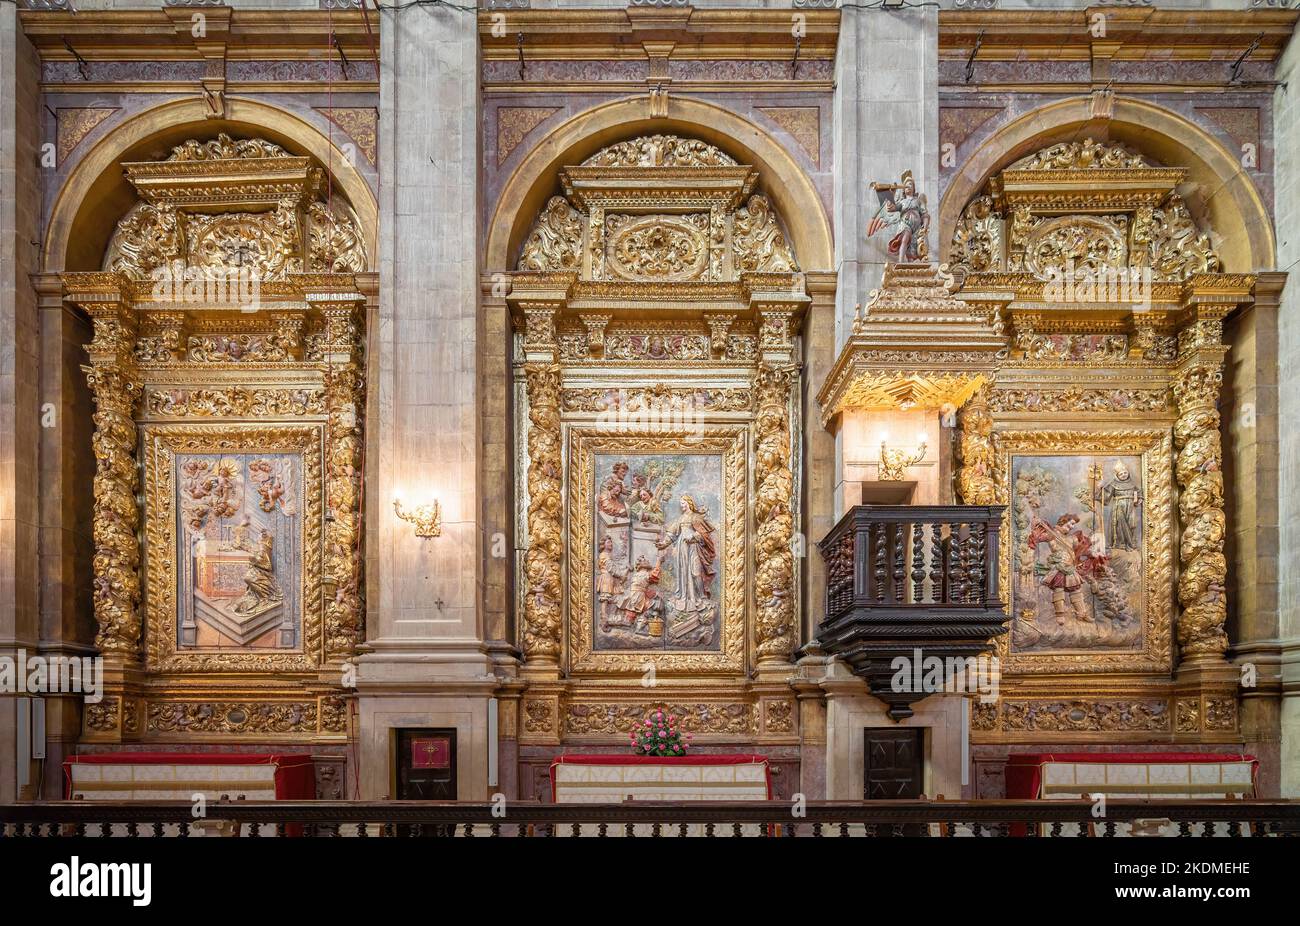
point(427, 517)
point(895, 461)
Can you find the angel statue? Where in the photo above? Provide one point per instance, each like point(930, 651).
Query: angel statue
point(904, 213)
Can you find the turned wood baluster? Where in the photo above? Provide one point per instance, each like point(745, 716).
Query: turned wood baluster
point(956, 574)
point(878, 573)
point(918, 563)
point(897, 540)
point(936, 564)
point(977, 594)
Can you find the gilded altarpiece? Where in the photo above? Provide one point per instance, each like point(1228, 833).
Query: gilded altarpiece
point(1100, 430)
point(226, 370)
point(657, 306)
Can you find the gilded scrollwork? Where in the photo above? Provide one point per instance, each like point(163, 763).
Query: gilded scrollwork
point(773, 514)
point(757, 239)
point(232, 717)
point(975, 478)
point(178, 239)
point(555, 243)
point(115, 384)
point(660, 151)
point(543, 561)
point(345, 392)
point(1203, 579)
point(233, 402)
point(335, 244)
point(657, 247)
point(700, 718)
point(1084, 210)
point(1087, 716)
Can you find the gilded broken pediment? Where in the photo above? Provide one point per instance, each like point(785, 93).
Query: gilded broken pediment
point(233, 207)
point(658, 209)
point(1084, 210)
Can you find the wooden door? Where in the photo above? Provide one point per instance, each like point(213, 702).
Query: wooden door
point(892, 764)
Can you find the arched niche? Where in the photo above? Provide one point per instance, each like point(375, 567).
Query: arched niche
point(792, 193)
point(1218, 190)
point(96, 194)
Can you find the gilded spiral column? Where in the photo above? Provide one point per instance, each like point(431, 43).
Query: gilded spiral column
point(114, 381)
point(339, 347)
point(542, 615)
point(1202, 582)
point(773, 516)
point(975, 478)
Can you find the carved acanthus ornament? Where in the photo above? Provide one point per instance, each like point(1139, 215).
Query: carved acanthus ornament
point(116, 384)
point(975, 478)
point(1203, 579)
point(542, 563)
point(184, 229)
point(773, 516)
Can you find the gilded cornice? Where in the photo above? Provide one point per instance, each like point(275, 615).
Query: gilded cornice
point(1131, 34)
point(595, 34)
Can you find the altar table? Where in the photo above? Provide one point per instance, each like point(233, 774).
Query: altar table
point(1168, 775)
point(1152, 776)
point(173, 776)
point(611, 779)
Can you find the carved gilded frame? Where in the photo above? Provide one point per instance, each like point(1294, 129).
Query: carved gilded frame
point(583, 445)
point(1155, 447)
point(160, 445)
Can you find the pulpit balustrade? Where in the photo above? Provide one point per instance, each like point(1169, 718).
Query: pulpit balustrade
point(909, 579)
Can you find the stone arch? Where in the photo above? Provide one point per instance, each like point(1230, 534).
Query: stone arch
point(787, 185)
point(96, 194)
point(1219, 191)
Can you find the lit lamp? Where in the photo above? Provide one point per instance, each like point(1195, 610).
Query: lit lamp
point(894, 461)
point(426, 517)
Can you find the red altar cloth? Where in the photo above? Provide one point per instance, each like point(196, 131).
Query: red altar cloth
point(1025, 771)
point(618, 759)
point(295, 777)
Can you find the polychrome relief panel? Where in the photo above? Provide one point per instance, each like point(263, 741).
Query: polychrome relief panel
point(658, 572)
point(657, 550)
point(233, 520)
point(1089, 552)
point(239, 521)
point(1078, 552)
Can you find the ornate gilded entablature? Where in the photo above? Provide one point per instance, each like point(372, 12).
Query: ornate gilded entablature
point(226, 369)
point(657, 307)
point(1100, 430)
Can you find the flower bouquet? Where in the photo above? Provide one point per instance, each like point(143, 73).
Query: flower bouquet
point(659, 736)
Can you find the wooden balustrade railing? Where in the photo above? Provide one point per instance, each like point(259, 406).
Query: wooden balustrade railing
point(362, 819)
point(902, 578)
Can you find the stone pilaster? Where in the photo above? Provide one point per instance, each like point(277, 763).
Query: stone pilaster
point(20, 400)
point(886, 114)
point(1286, 199)
point(426, 663)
